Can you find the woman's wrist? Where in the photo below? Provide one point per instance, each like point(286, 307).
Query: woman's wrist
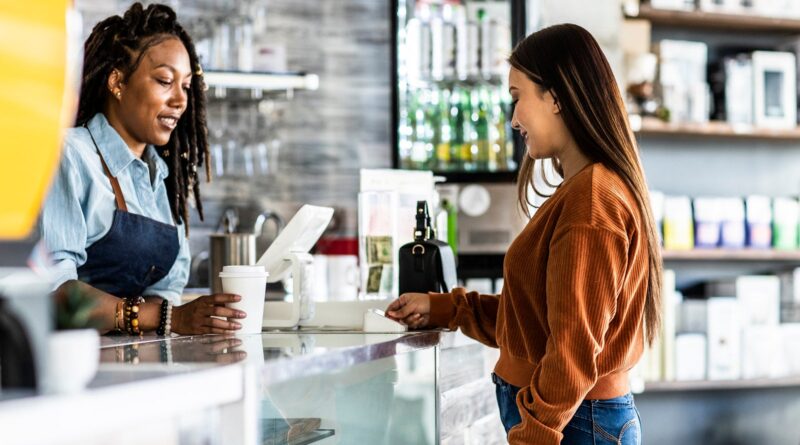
point(149, 316)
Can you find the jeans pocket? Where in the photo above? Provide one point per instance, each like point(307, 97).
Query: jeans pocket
point(618, 425)
point(507, 403)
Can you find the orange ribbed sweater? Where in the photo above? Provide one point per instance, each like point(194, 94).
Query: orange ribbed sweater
point(569, 320)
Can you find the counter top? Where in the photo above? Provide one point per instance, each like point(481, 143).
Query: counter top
point(229, 369)
point(278, 355)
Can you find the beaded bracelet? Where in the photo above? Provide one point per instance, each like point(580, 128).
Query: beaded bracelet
point(165, 321)
point(132, 305)
point(165, 348)
point(119, 316)
point(131, 354)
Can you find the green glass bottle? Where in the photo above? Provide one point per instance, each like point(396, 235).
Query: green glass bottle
point(484, 159)
point(469, 147)
point(422, 140)
point(445, 133)
point(457, 128)
point(497, 132)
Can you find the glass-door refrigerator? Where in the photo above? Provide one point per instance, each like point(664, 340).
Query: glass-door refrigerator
point(451, 105)
point(451, 114)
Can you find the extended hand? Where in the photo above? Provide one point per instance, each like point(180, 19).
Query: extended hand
point(411, 309)
point(198, 316)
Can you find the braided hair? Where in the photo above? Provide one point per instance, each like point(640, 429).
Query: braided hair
point(120, 43)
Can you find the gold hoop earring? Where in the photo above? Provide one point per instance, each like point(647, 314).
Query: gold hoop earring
point(118, 94)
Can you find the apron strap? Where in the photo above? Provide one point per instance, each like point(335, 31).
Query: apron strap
point(118, 196)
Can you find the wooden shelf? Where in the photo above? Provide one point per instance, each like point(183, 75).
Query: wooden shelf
point(733, 255)
point(718, 21)
point(706, 385)
point(655, 127)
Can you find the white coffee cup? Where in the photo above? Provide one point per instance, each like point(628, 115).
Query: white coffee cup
point(249, 282)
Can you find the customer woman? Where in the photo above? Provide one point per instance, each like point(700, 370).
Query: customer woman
point(582, 280)
point(116, 218)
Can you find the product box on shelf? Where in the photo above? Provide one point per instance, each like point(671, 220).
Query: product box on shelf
point(790, 296)
point(774, 89)
point(759, 221)
point(693, 316)
point(785, 223)
point(678, 224)
point(738, 74)
point(724, 341)
point(682, 78)
point(707, 222)
point(690, 356)
point(761, 352)
point(790, 342)
point(732, 234)
point(759, 299)
point(670, 299)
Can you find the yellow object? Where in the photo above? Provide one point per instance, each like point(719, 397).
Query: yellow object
point(39, 81)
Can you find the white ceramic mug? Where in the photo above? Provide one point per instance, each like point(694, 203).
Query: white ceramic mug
point(249, 282)
point(319, 278)
point(342, 277)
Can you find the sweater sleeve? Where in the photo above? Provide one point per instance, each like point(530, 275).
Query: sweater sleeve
point(474, 313)
point(585, 272)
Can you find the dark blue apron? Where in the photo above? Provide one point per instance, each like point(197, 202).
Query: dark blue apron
point(135, 253)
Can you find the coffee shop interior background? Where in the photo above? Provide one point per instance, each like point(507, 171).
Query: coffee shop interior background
point(703, 136)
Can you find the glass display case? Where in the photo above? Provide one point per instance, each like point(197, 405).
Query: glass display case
point(309, 387)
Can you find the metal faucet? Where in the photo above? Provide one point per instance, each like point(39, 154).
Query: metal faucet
point(229, 221)
point(265, 216)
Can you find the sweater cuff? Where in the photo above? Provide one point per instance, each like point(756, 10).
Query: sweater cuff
point(533, 432)
point(443, 310)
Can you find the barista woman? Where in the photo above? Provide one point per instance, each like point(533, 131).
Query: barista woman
point(116, 219)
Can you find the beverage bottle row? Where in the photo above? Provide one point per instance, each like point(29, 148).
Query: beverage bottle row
point(456, 126)
point(450, 39)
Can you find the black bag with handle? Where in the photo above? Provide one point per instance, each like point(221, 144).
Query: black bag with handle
point(426, 264)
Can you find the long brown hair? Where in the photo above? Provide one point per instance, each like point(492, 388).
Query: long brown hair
point(120, 43)
point(567, 61)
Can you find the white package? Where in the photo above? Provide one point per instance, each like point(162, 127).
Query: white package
point(724, 339)
point(690, 357)
point(759, 297)
point(761, 347)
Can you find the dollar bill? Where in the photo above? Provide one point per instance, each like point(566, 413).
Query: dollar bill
point(374, 279)
point(379, 250)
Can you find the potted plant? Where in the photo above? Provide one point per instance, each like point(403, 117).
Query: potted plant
point(74, 347)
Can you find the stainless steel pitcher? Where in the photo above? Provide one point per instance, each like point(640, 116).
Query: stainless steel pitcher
point(230, 248)
point(227, 249)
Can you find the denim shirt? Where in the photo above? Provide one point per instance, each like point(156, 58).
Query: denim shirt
point(80, 206)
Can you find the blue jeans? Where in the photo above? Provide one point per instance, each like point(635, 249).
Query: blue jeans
point(596, 422)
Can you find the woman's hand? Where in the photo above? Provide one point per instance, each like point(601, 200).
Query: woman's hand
point(198, 316)
point(411, 309)
point(211, 349)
